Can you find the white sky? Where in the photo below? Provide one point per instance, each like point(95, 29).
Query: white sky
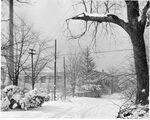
point(48, 17)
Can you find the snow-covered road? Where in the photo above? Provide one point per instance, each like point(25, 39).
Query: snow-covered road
point(82, 107)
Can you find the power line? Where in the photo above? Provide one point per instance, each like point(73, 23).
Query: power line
point(121, 50)
point(99, 52)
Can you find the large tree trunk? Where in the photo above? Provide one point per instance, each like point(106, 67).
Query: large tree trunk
point(73, 90)
point(15, 81)
point(141, 67)
point(73, 87)
point(136, 32)
point(33, 84)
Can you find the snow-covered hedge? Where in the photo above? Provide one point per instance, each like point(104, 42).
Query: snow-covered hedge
point(15, 97)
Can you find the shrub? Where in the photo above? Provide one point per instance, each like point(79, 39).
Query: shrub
point(15, 97)
point(90, 90)
point(131, 111)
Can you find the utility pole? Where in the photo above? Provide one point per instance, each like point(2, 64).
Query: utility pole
point(11, 44)
point(32, 53)
point(64, 79)
point(112, 86)
point(55, 71)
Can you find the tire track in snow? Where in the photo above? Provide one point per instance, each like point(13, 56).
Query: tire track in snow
point(90, 112)
point(101, 109)
point(61, 114)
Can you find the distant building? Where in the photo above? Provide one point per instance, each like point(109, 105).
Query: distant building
point(3, 75)
point(45, 80)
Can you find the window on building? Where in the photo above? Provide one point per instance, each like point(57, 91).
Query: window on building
point(43, 79)
point(27, 79)
point(3, 75)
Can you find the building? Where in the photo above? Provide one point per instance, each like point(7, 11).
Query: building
point(45, 80)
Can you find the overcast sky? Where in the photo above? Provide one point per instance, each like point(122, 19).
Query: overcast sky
point(48, 17)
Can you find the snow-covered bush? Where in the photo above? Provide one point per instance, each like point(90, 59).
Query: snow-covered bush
point(11, 90)
point(5, 104)
point(15, 97)
point(133, 112)
point(3, 95)
point(36, 97)
point(11, 97)
point(92, 87)
point(128, 87)
point(91, 90)
point(129, 94)
point(40, 93)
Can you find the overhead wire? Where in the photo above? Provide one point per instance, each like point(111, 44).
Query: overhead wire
point(99, 52)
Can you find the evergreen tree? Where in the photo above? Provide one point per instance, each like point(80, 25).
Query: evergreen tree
point(88, 66)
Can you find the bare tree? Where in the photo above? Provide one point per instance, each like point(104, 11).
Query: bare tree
point(81, 71)
point(23, 39)
point(73, 69)
point(127, 82)
point(10, 54)
point(43, 58)
point(114, 79)
point(135, 27)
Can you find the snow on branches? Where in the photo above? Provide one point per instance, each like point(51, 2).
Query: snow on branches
point(14, 97)
point(95, 17)
point(95, 14)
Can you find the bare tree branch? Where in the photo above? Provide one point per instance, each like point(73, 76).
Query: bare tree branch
point(144, 16)
point(105, 18)
point(91, 7)
point(77, 36)
point(25, 1)
point(84, 5)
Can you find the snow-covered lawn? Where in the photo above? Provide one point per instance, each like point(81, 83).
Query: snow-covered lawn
point(78, 107)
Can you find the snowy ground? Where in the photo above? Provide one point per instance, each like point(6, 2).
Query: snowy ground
point(82, 107)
